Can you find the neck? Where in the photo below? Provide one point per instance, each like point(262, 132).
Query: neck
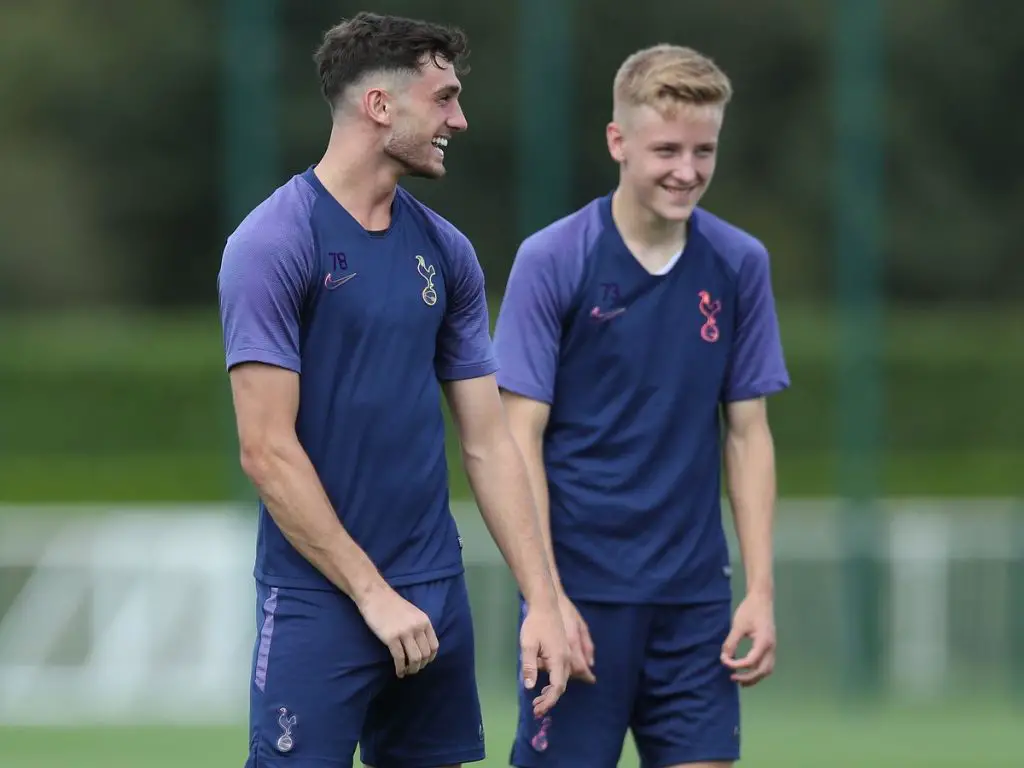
point(642, 228)
point(359, 176)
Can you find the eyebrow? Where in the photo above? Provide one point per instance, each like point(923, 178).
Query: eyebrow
point(678, 144)
point(448, 90)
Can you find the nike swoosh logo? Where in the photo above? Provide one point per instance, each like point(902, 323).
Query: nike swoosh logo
point(330, 283)
point(603, 317)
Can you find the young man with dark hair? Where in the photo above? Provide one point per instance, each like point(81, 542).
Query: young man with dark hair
point(347, 308)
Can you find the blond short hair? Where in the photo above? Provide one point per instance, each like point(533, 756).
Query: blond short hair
point(667, 76)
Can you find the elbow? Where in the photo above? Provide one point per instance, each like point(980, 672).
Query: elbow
point(260, 457)
point(755, 431)
point(498, 446)
point(474, 454)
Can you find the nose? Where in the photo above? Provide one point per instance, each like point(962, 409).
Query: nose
point(457, 120)
point(685, 171)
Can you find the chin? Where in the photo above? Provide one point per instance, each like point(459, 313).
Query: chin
point(426, 171)
point(675, 212)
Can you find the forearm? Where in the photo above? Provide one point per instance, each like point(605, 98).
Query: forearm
point(750, 471)
point(289, 486)
point(502, 490)
point(532, 448)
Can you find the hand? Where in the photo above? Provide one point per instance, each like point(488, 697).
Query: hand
point(755, 619)
point(581, 647)
point(543, 644)
point(402, 627)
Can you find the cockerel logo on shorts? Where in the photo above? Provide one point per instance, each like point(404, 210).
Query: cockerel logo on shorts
point(285, 742)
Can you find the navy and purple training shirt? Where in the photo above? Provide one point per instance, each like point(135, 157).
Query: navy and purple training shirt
point(371, 322)
point(636, 368)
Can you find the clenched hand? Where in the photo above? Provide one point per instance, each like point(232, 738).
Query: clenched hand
point(403, 628)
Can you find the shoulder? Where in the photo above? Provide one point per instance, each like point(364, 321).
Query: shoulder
point(560, 249)
point(454, 245)
point(281, 224)
point(737, 249)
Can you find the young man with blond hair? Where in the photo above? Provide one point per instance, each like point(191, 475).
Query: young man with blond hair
point(636, 336)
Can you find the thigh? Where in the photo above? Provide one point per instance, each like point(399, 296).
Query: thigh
point(687, 707)
point(431, 719)
point(316, 668)
point(588, 724)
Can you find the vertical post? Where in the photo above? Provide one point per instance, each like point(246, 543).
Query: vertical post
point(248, 130)
point(249, 104)
point(545, 109)
point(858, 84)
point(1015, 623)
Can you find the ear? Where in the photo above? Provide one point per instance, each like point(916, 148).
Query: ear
point(377, 104)
point(613, 133)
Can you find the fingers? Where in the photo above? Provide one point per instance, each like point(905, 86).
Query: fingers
point(579, 666)
point(426, 652)
point(415, 648)
point(557, 667)
point(583, 654)
point(759, 671)
point(587, 643)
point(756, 665)
point(756, 652)
point(432, 642)
point(545, 702)
point(529, 663)
point(729, 647)
point(398, 654)
point(413, 655)
point(576, 652)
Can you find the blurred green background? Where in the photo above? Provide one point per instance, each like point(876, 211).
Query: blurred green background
point(871, 146)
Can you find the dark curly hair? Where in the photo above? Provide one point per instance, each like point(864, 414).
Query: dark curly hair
point(370, 42)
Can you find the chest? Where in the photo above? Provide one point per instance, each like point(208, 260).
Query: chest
point(632, 322)
point(390, 286)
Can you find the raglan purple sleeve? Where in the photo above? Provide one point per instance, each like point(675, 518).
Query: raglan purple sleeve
point(528, 334)
point(464, 349)
point(262, 284)
point(757, 367)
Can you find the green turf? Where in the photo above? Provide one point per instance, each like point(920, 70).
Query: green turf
point(776, 734)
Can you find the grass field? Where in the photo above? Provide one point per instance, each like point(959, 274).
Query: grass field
point(123, 408)
point(777, 734)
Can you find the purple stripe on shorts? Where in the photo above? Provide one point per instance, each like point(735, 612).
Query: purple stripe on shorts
point(266, 634)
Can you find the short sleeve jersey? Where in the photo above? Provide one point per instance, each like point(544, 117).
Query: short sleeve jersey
point(637, 368)
point(371, 322)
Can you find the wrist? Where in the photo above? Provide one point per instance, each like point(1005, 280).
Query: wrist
point(544, 594)
point(763, 588)
point(365, 585)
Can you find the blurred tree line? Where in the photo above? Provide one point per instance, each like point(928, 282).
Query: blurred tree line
point(112, 148)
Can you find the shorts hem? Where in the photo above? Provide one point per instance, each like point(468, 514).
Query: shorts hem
point(321, 584)
point(604, 598)
point(439, 760)
point(692, 757)
point(272, 758)
point(524, 756)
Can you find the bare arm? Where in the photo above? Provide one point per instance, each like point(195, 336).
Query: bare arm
point(501, 484)
point(266, 401)
point(527, 420)
point(750, 470)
